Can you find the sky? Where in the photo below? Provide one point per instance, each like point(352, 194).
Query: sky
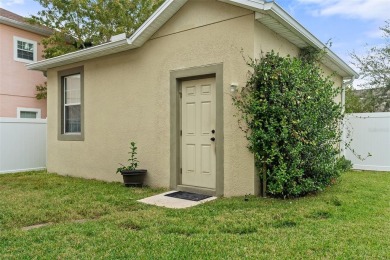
point(351, 25)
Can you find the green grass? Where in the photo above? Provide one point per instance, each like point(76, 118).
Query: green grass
point(350, 220)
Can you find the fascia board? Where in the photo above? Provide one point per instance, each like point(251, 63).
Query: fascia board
point(155, 21)
point(247, 4)
point(165, 12)
point(140, 36)
point(73, 57)
point(25, 26)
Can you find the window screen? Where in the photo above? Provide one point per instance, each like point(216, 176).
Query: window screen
point(25, 50)
point(28, 114)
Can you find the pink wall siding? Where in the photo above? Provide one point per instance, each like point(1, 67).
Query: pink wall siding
point(17, 84)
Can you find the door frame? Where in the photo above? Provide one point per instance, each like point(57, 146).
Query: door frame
point(176, 78)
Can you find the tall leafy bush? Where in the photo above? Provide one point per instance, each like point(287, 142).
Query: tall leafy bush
point(292, 122)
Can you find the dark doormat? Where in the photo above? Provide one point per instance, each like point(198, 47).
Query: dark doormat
point(187, 196)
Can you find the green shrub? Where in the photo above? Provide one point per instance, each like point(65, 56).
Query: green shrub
point(291, 121)
point(344, 164)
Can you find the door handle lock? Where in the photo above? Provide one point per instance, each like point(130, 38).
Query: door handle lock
point(213, 131)
point(212, 139)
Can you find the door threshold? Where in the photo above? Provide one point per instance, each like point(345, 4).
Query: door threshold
point(194, 189)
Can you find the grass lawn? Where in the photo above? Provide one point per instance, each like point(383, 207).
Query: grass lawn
point(91, 219)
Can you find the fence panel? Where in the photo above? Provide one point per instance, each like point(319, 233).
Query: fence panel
point(22, 144)
point(370, 133)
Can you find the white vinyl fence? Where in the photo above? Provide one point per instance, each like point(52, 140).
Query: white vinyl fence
point(370, 133)
point(22, 144)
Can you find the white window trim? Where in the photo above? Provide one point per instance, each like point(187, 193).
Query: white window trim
point(25, 109)
point(16, 39)
point(70, 104)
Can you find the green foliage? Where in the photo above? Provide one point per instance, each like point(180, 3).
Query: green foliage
point(368, 101)
point(311, 55)
point(41, 91)
point(78, 24)
point(344, 164)
point(353, 104)
point(374, 70)
point(133, 161)
point(375, 65)
point(292, 123)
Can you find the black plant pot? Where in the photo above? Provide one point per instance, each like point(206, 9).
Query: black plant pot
point(134, 178)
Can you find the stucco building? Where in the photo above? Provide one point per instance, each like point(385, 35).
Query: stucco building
point(19, 45)
point(168, 88)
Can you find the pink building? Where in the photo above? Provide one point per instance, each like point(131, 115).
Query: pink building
point(20, 45)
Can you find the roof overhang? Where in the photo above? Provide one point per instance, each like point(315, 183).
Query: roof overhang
point(137, 39)
point(25, 26)
point(278, 20)
point(268, 13)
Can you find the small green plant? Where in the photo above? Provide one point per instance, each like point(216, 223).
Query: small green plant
point(344, 164)
point(133, 161)
point(41, 91)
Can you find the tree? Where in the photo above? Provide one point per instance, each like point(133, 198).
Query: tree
point(291, 123)
point(367, 100)
point(375, 66)
point(364, 103)
point(79, 24)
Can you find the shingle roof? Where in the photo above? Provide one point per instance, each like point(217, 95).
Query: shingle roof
point(15, 20)
point(12, 16)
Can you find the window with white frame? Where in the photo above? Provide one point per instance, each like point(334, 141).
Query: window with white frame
point(23, 112)
point(25, 50)
point(72, 104)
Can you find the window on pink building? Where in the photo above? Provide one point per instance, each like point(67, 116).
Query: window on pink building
point(25, 50)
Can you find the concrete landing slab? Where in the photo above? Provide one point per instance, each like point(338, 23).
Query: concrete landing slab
point(173, 203)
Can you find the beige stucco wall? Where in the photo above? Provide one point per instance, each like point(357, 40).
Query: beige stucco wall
point(126, 97)
point(17, 84)
point(267, 40)
point(337, 79)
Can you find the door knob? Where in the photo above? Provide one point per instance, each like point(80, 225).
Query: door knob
point(212, 139)
point(213, 131)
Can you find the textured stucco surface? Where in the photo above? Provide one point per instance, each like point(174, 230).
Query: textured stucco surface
point(127, 97)
point(267, 40)
point(17, 84)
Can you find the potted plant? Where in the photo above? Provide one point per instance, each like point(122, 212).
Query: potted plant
point(131, 175)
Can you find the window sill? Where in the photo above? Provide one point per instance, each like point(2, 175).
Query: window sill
point(70, 137)
point(23, 60)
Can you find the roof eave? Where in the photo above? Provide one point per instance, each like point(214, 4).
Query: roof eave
point(137, 39)
point(253, 5)
point(25, 26)
point(282, 16)
point(81, 55)
point(155, 21)
point(274, 10)
point(166, 10)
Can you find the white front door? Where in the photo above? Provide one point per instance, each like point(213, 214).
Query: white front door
point(198, 117)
